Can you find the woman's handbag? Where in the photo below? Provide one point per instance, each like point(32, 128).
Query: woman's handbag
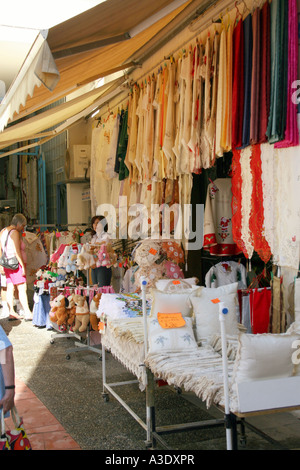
point(14, 439)
point(8, 263)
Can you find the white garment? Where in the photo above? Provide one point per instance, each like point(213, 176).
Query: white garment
point(226, 272)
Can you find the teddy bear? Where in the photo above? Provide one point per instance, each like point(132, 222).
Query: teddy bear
point(71, 310)
point(107, 256)
point(58, 313)
point(82, 317)
point(70, 263)
point(93, 311)
point(85, 259)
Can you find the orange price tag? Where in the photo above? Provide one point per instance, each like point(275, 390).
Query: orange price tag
point(170, 320)
point(101, 326)
point(152, 251)
point(215, 301)
point(176, 281)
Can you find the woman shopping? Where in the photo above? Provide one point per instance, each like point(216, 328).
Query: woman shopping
point(101, 275)
point(12, 245)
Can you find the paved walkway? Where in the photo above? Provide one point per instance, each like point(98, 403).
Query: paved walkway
point(42, 428)
point(62, 407)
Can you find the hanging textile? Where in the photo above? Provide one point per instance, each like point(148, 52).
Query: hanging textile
point(246, 194)
point(186, 75)
point(198, 110)
point(132, 123)
point(221, 95)
point(122, 148)
point(256, 78)
point(267, 178)
point(265, 76)
point(279, 57)
point(277, 310)
point(218, 238)
point(238, 85)
point(260, 305)
point(149, 129)
point(227, 127)
point(248, 51)
point(291, 135)
point(244, 307)
point(111, 154)
point(140, 112)
point(236, 203)
point(170, 123)
point(157, 169)
point(206, 68)
point(226, 272)
point(286, 195)
point(193, 143)
point(211, 123)
point(256, 221)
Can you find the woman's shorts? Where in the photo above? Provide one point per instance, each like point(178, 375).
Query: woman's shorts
point(15, 276)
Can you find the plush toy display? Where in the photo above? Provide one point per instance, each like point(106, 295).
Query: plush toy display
point(58, 313)
point(86, 258)
point(71, 310)
point(93, 311)
point(82, 317)
point(106, 255)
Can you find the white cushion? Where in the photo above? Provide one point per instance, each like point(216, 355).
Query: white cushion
point(170, 339)
point(176, 284)
point(207, 313)
point(264, 356)
point(172, 302)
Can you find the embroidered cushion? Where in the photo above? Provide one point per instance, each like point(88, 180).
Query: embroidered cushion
point(172, 302)
point(207, 312)
point(170, 339)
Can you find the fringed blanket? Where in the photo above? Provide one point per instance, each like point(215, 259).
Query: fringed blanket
point(124, 338)
point(197, 371)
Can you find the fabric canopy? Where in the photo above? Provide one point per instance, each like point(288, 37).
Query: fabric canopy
point(34, 126)
point(85, 66)
point(105, 39)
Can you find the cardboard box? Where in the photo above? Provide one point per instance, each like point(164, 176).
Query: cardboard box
point(78, 159)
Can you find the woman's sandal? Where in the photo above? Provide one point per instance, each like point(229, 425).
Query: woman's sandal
point(13, 318)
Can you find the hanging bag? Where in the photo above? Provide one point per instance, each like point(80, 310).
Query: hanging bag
point(8, 263)
point(4, 444)
point(16, 438)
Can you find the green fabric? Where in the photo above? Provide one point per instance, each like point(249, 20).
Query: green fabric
point(122, 148)
point(279, 70)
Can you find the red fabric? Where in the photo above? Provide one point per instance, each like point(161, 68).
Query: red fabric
point(236, 202)
point(256, 221)
point(224, 249)
point(260, 304)
point(237, 85)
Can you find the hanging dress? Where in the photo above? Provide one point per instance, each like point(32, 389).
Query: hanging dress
point(218, 238)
